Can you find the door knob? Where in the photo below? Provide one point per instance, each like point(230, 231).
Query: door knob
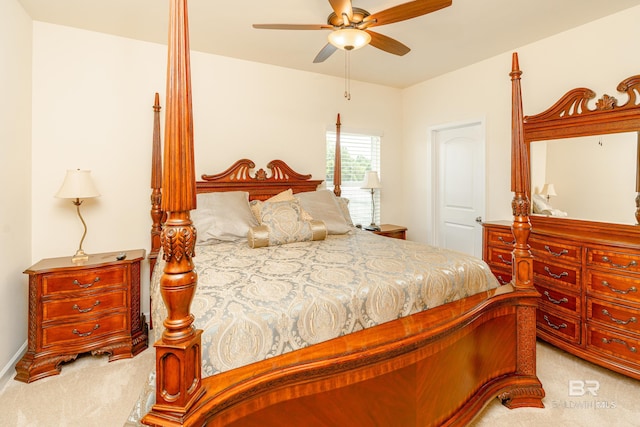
point(479, 219)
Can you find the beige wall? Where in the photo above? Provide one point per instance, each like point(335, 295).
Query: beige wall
point(598, 55)
point(15, 175)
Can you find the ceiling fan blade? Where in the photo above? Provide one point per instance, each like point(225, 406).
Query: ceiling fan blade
point(292, 26)
point(405, 11)
point(387, 44)
point(342, 7)
point(324, 53)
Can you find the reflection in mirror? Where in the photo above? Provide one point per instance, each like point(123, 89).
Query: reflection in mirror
point(593, 177)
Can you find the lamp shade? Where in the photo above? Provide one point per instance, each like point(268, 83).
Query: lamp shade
point(548, 190)
point(349, 38)
point(77, 184)
point(371, 181)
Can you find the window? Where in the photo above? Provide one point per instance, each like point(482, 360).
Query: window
point(360, 153)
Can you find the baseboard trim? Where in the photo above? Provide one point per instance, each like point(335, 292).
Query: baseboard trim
point(7, 371)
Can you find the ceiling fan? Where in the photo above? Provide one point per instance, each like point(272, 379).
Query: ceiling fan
point(350, 26)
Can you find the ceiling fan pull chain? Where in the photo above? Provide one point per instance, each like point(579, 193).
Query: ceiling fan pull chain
point(347, 75)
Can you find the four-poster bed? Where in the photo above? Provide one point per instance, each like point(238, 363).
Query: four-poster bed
point(430, 367)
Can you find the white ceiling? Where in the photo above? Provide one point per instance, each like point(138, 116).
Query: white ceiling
point(462, 34)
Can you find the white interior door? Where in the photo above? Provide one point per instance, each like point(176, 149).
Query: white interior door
point(460, 187)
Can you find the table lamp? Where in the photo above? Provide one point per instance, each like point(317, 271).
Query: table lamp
point(372, 182)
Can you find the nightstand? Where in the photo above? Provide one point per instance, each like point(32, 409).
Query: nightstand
point(76, 308)
point(394, 231)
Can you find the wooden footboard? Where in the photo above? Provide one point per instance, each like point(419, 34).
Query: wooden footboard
point(438, 367)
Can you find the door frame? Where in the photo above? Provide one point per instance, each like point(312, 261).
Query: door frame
point(436, 197)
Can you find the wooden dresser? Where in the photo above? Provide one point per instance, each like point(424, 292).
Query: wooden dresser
point(78, 308)
point(589, 281)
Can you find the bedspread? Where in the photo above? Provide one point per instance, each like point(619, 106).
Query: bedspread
point(258, 303)
point(253, 304)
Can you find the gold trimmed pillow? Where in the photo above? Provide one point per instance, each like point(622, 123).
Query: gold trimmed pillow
point(286, 195)
point(282, 223)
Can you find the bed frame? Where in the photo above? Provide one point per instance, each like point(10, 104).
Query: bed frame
point(437, 367)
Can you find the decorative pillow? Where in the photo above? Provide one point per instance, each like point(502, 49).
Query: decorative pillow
point(222, 216)
point(322, 206)
point(256, 205)
point(282, 223)
point(344, 208)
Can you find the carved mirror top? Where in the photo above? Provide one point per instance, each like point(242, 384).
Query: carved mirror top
point(571, 116)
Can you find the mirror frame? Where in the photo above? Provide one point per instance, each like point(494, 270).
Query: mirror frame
point(571, 117)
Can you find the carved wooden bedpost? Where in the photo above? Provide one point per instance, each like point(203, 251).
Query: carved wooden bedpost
point(156, 185)
point(529, 391)
point(178, 361)
point(638, 180)
point(337, 166)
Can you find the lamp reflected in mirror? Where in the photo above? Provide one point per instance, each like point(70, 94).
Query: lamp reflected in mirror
point(548, 190)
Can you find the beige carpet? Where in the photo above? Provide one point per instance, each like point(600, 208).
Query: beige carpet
point(92, 392)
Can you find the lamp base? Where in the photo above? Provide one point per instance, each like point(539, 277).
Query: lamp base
point(80, 256)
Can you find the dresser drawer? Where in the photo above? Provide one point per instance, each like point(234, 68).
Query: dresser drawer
point(559, 299)
point(555, 250)
point(567, 275)
point(499, 257)
point(614, 315)
point(85, 279)
point(558, 325)
point(613, 286)
point(79, 333)
point(613, 344)
point(501, 239)
point(614, 261)
point(83, 306)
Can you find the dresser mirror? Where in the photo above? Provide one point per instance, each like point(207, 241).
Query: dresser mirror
point(590, 155)
point(591, 178)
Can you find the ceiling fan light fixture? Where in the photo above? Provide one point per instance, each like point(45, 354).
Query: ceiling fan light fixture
point(349, 38)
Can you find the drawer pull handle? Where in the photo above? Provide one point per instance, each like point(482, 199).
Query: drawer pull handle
point(85, 310)
point(555, 276)
point(564, 325)
point(619, 291)
point(85, 334)
point(619, 341)
point(501, 280)
point(555, 301)
point(562, 252)
point(618, 321)
point(501, 258)
point(511, 243)
point(632, 263)
point(86, 285)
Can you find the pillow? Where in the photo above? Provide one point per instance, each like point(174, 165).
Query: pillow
point(282, 223)
point(256, 205)
point(222, 216)
point(540, 204)
point(344, 208)
point(322, 206)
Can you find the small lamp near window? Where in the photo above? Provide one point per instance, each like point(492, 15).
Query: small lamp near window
point(548, 190)
point(372, 182)
point(78, 185)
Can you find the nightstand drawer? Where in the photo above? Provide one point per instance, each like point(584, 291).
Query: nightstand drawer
point(87, 305)
point(82, 280)
point(78, 333)
point(499, 257)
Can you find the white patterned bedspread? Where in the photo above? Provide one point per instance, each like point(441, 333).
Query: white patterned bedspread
point(258, 303)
